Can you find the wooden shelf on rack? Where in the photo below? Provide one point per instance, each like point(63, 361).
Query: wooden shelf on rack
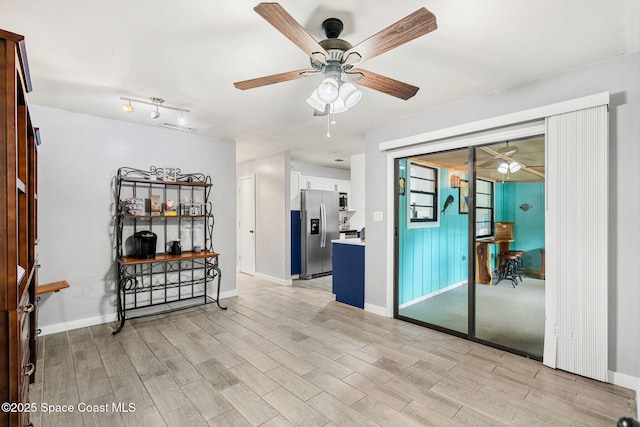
point(129, 216)
point(160, 182)
point(51, 287)
point(128, 260)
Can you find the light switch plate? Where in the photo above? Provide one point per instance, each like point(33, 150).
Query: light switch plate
point(377, 216)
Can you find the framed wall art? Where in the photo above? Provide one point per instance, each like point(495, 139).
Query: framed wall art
point(463, 197)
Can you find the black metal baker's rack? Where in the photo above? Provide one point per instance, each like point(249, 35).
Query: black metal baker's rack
point(168, 281)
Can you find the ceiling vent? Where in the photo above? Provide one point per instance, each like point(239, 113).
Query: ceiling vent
point(177, 127)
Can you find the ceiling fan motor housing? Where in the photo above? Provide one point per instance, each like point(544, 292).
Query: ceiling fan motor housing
point(332, 27)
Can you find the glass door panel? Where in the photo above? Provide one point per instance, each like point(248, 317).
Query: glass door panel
point(509, 215)
point(432, 244)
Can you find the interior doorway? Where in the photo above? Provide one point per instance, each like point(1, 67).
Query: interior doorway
point(470, 243)
point(247, 225)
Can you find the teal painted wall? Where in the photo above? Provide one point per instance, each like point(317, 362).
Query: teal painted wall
point(529, 225)
point(432, 258)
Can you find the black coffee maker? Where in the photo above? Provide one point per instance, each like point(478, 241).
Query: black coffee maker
point(144, 244)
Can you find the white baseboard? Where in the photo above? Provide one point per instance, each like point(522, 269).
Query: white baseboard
point(98, 320)
point(623, 380)
point(283, 282)
point(626, 381)
point(376, 309)
point(229, 294)
point(75, 324)
point(433, 294)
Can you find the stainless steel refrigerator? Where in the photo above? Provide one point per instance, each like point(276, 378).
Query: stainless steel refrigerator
point(320, 225)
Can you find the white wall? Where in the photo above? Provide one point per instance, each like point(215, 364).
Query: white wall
point(357, 195)
point(618, 76)
point(78, 160)
point(273, 221)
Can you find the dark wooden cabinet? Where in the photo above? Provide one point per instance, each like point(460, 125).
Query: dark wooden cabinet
point(19, 142)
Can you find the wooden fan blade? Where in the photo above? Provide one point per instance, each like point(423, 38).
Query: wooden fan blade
point(385, 84)
point(275, 78)
point(275, 15)
point(408, 28)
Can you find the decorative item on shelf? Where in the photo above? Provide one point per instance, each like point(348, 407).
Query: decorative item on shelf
point(197, 249)
point(176, 248)
point(158, 173)
point(170, 174)
point(156, 206)
point(134, 206)
point(170, 208)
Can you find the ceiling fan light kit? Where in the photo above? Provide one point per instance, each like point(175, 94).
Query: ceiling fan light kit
point(509, 167)
point(335, 58)
point(328, 90)
point(350, 94)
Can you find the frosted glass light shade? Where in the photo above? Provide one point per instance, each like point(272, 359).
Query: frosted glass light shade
point(338, 106)
point(328, 90)
point(350, 95)
point(315, 102)
point(514, 167)
point(503, 168)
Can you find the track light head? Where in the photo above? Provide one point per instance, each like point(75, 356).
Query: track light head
point(127, 108)
point(155, 114)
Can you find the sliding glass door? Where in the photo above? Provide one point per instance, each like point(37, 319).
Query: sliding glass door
point(432, 268)
point(470, 243)
point(509, 290)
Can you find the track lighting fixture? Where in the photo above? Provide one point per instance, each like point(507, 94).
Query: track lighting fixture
point(127, 108)
point(156, 102)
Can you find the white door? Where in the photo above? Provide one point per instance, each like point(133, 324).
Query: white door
point(246, 225)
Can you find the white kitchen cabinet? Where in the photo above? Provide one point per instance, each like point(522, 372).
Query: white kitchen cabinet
point(303, 182)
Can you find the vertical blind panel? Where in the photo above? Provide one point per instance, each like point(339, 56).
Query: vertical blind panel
point(577, 253)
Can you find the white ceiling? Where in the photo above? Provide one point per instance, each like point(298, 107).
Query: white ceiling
point(85, 54)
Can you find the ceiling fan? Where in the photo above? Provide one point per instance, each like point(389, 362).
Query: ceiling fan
point(499, 155)
point(336, 58)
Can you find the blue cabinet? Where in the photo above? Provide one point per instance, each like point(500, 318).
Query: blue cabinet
point(348, 273)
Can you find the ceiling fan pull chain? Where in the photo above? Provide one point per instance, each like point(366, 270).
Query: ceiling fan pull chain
point(328, 126)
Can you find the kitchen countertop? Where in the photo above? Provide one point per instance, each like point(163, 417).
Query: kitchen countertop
point(355, 241)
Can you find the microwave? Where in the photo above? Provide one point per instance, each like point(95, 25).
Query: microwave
point(342, 198)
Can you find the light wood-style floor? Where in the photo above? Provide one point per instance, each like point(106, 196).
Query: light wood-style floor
point(283, 356)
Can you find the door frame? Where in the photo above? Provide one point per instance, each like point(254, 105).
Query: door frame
point(242, 207)
point(509, 126)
